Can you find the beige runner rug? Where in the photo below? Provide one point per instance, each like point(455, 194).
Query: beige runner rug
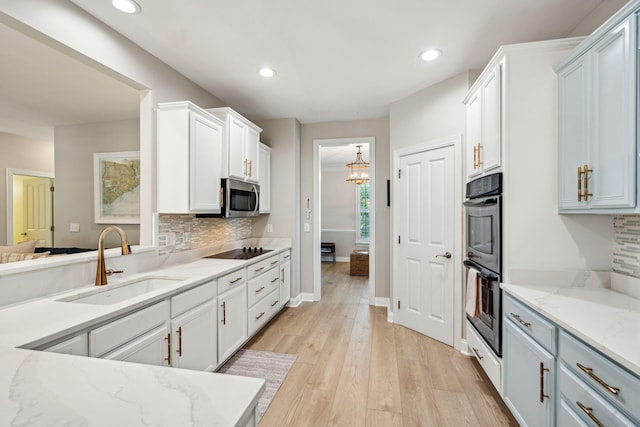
point(272, 367)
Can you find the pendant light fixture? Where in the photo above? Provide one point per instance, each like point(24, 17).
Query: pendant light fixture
point(358, 171)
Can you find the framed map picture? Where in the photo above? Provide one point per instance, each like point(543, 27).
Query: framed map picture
point(116, 187)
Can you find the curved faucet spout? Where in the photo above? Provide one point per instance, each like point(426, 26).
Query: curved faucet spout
point(101, 272)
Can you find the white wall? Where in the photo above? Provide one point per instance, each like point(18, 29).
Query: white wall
point(74, 203)
point(600, 14)
point(338, 214)
point(25, 154)
point(378, 128)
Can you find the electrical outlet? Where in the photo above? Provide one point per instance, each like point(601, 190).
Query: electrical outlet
point(171, 238)
point(269, 228)
point(74, 227)
point(307, 227)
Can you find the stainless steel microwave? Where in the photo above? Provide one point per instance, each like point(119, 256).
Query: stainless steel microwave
point(240, 199)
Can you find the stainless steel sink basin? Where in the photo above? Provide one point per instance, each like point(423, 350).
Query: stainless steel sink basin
point(111, 294)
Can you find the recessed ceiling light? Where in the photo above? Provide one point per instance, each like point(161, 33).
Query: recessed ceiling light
point(267, 72)
point(430, 55)
point(126, 6)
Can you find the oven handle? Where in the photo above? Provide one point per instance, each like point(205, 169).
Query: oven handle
point(486, 202)
point(483, 275)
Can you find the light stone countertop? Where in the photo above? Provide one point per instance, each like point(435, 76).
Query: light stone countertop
point(47, 389)
point(607, 320)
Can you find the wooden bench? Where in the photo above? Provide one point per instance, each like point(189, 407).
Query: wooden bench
point(328, 248)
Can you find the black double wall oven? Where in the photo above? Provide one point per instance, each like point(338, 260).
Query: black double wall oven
point(483, 210)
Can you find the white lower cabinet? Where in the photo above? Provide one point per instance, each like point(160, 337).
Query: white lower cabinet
point(232, 320)
point(78, 346)
point(195, 338)
point(529, 377)
point(152, 348)
point(490, 363)
point(285, 283)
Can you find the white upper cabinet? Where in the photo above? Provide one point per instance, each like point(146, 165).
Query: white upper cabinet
point(189, 159)
point(597, 122)
point(240, 140)
point(265, 178)
point(484, 124)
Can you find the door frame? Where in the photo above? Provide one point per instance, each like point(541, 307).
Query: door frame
point(456, 142)
point(316, 219)
point(9, 180)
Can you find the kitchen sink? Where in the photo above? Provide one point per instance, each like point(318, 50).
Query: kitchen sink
point(111, 294)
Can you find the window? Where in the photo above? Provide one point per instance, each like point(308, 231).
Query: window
point(362, 213)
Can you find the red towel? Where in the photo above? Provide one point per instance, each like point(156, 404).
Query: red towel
point(474, 299)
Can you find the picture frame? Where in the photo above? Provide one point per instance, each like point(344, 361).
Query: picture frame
point(116, 187)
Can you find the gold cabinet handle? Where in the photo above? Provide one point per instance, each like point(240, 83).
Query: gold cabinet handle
point(224, 313)
point(275, 302)
point(221, 197)
point(275, 262)
point(475, 350)
point(245, 167)
point(586, 182)
point(589, 412)
point(258, 269)
point(479, 155)
point(475, 156)
point(250, 168)
point(580, 183)
point(522, 322)
point(259, 290)
point(179, 351)
point(237, 279)
point(259, 315)
point(168, 358)
point(283, 274)
point(542, 395)
point(275, 280)
point(589, 371)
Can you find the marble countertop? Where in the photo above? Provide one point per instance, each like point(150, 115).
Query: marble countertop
point(45, 389)
point(49, 389)
point(607, 320)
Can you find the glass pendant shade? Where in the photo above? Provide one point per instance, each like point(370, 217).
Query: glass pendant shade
point(358, 171)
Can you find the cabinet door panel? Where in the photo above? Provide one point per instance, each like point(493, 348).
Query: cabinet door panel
point(236, 148)
point(285, 283)
point(78, 346)
point(252, 141)
point(265, 178)
point(474, 133)
point(613, 147)
point(491, 121)
point(151, 348)
point(195, 342)
point(522, 359)
point(232, 321)
point(205, 173)
point(573, 131)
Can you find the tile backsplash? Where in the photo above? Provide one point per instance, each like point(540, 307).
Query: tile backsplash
point(183, 232)
point(626, 245)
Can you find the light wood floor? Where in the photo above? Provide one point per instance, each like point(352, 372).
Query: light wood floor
point(356, 369)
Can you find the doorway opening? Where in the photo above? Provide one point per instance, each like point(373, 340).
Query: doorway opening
point(344, 224)
point(30, 207)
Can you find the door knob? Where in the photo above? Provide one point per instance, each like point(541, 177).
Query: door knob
point(446, 255)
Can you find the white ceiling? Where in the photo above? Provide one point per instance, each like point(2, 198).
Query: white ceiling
point(332, 157)
point(41, 88)
point(335, 59)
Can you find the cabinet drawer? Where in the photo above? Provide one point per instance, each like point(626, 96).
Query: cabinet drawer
point(567, 417)
point(262, 285)
point(531, 323)
point(490, 363)
point(594, 367)
point(587, 403)
point(262, 266)
point(264, 310)
point(185, 301)
point(114, 334)
point(285, 256)
point(230, 280)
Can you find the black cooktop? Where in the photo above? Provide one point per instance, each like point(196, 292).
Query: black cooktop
point(244, 253)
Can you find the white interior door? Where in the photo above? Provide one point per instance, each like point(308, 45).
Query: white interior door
point(425, 273)
point(38, 210)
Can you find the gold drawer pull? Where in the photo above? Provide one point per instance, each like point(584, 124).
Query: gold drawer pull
point(179, 350)
point(589, 371)
point(259, 315)
point(542, 395)
point(275, 280)
point(274, 303)
point(522, 322)
point(259, 269)
point(286, 256)
point(586, 193)
point(275, 262)
point(260, 289)
point(168, 358)
point(237, 279)
point(589, 412)
point(475, 350)
point(580, 183)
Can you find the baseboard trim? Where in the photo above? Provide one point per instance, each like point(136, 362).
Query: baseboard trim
point(295, 301)
point(464, 348)
point(307, 296)
point(389, 316)
point(381, 302)
point(338, 259)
